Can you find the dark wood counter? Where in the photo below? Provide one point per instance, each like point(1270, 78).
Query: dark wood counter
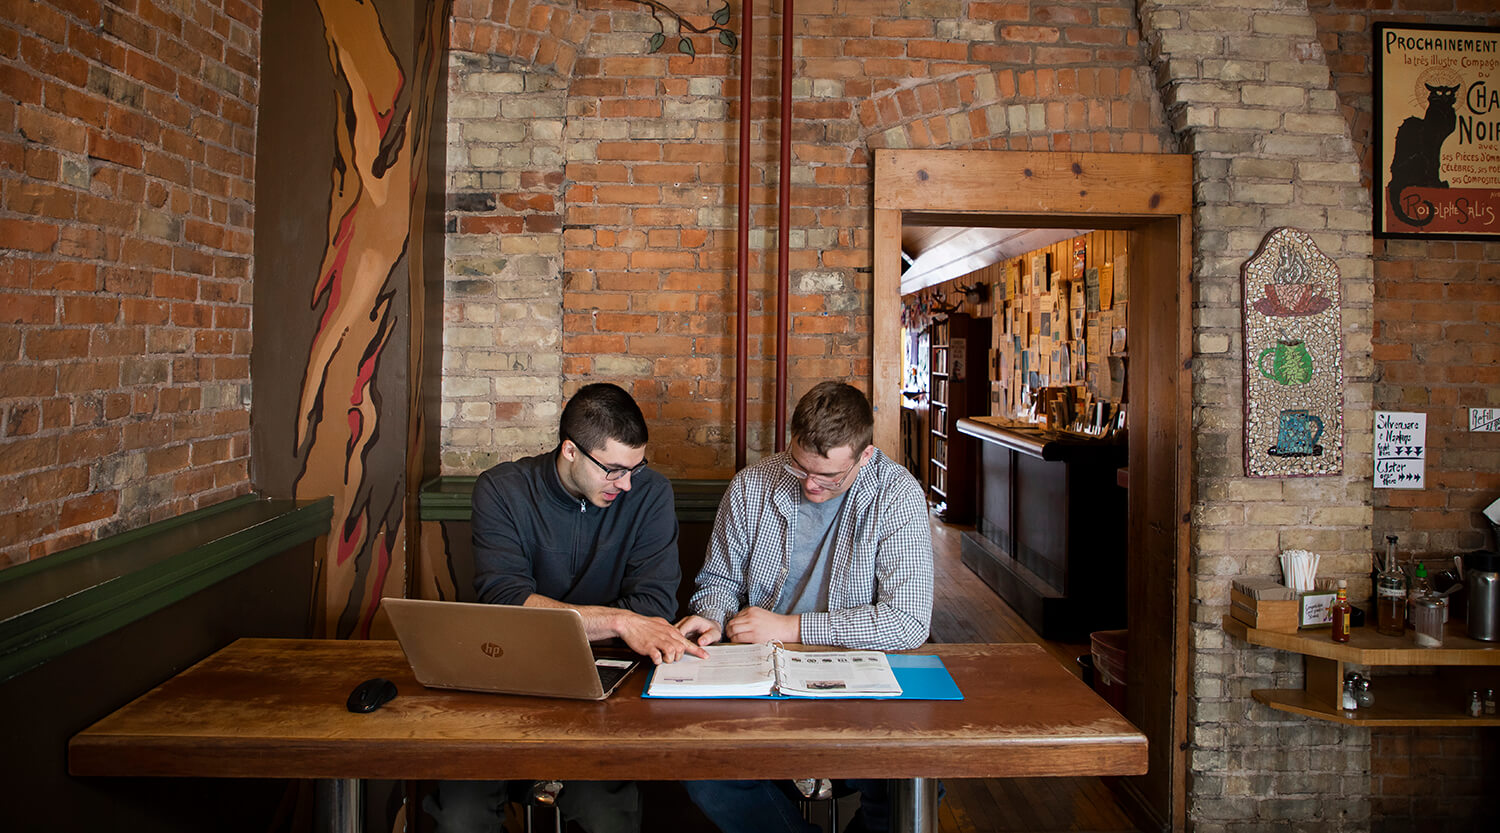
point(1051, 536)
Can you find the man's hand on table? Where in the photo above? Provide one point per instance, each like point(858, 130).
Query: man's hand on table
point(756, 624)
point(700, 629)
point(655, 637)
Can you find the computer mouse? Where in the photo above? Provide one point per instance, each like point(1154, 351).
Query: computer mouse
point(371, 695)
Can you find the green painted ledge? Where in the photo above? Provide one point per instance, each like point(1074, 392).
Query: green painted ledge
point(55, 604)
point(450, 498)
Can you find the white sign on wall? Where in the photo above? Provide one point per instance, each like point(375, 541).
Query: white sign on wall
point(1400, 449)
point(1484, 419)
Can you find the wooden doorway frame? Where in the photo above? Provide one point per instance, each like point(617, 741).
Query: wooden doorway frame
point(1150, 195)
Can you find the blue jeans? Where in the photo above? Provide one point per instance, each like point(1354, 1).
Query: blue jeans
point(770, 806)
point(479, 806)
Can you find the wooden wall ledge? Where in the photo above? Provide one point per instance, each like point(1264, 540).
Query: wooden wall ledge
point(451, 497)
point(54, 604)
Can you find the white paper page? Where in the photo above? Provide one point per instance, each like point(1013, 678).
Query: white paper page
point(729, 669)
point(838, 674)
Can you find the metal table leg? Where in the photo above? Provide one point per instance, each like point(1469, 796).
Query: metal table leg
point(914, 805)
point(337, 805)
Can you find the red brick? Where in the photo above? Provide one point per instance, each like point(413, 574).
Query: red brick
point(39, 199)
point(82, 510)
point(66, 276)
point(120, 151)
point(27, 454)
point(18, 308)
point(23, 420)
point(490, 225)
point(51, 345)
point(55, 484)
point(28, 236)
point(86, 377)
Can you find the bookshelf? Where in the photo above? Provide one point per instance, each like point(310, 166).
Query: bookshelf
point(959, 387)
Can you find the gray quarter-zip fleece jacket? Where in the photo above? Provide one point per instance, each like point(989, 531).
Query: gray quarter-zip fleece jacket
point(531, 536)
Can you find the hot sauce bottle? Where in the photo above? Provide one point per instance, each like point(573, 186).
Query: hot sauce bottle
point(1341, 611)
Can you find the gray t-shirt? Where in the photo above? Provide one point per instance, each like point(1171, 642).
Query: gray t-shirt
point(806, 588)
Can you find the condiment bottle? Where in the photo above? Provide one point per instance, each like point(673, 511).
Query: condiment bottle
point(1349, 700)
point(1420, 589)
point(1489, 701)
point(1341, 612)
point(1475, 707)
point(1390, 594)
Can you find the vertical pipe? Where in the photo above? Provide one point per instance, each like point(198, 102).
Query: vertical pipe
point(783, 221)
point(742, 259)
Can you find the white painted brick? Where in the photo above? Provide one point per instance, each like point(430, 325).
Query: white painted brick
point(1259, 95)
point(1306, 123)
point(1239, 118)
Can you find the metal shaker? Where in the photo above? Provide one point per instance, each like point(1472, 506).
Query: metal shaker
point(1482, 575)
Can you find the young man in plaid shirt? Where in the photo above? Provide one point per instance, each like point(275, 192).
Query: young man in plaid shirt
point(826, 543)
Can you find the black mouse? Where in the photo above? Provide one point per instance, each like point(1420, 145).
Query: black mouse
point(371, 695)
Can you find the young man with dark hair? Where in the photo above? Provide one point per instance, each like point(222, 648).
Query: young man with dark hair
point(826, 543)
point(589, 527)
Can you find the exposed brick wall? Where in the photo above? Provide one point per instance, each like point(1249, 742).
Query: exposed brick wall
point(502, 341)
point(1442, 778)
point(648, 192)
point(126, 188)
point(1247, 86)
point(1437, 308)
point(1437, 351)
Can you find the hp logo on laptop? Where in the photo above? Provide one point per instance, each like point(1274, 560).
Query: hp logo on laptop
point(492, 650)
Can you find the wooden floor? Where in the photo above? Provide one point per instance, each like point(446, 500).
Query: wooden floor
point(966, 610)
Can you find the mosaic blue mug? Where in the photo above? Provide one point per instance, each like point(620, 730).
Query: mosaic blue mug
point(1298, 433)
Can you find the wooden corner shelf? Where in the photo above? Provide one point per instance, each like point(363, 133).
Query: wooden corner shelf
point(1438, 698)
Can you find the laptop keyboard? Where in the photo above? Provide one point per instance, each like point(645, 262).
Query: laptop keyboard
point(609, 675)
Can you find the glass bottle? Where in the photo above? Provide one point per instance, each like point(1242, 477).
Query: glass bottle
point(1341, 612)
point(1475, 707)
point(1420, 588)
point(1390, 594)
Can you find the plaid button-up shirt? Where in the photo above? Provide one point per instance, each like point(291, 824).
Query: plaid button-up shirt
point(880, 577)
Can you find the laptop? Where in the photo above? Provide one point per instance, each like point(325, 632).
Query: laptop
point(506, 649)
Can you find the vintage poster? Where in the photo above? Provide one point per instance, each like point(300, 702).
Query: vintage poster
point(1437, 131)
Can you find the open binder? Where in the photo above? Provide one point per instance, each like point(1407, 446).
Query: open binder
point(769, 670)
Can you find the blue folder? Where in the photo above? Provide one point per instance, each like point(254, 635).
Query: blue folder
point(922, 677)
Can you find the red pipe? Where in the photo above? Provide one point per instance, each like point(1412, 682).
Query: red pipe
point(784, 221)
point(742, 260)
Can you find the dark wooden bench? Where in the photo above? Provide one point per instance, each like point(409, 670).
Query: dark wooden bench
point(85, 631)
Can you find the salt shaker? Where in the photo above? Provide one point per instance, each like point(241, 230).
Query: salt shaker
point(1363, 694)
point(1475, 707)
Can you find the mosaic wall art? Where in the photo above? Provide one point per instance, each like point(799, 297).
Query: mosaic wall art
point(1294, 370)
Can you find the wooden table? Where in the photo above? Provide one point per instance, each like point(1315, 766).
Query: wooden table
point(275, 709)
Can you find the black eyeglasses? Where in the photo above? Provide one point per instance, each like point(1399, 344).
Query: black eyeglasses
point(609, 473)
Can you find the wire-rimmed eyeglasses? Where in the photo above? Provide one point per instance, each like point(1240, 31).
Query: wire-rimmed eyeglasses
point(822, 481)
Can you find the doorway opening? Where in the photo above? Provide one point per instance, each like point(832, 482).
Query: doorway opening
point(1148, 197)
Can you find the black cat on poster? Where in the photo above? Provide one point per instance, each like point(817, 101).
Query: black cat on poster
point(1419, 145)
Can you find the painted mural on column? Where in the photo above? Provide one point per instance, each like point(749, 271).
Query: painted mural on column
point(359, 431)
